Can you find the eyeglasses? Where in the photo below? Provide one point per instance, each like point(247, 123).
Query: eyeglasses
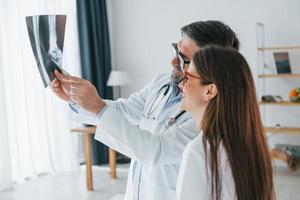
point(182, 58)
point(186, 76)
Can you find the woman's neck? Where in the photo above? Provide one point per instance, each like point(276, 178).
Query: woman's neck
point(198, 115)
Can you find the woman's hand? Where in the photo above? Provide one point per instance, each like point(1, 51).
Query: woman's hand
point(81, 92)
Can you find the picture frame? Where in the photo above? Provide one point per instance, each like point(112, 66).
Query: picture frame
point(282, 62)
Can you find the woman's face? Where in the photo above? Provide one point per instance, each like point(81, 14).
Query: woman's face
point(195, 95)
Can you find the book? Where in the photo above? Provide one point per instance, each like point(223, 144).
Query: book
point(282, 62)
point(293, 150)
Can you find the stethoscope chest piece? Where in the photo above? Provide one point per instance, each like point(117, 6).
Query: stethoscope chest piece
point(172, 120)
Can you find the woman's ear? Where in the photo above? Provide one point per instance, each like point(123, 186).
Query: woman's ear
point(211, 92)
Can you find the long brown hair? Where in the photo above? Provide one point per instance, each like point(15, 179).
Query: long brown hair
point(232, 118)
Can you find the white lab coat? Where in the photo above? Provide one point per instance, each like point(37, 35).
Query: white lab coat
point(194, 181)
point(125, 127)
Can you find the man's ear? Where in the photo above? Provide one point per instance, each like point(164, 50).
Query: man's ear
point(212, 91)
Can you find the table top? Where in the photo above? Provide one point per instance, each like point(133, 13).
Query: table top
point(88, 130)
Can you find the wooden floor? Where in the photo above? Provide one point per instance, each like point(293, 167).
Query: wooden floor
point(72, 186)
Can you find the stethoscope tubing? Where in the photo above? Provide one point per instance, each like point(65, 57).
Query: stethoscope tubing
point(151, 110)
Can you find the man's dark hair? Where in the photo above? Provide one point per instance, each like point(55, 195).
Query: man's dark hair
point(211, 33)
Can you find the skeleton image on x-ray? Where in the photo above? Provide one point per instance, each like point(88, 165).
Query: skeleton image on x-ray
point(46, 33)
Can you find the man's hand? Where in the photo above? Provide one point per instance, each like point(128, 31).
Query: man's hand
point(80, 91)
point(60, 89)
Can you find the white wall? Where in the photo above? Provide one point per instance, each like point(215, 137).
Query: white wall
point(142, 33)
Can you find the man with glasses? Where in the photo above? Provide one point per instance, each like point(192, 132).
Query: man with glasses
point(149, 126)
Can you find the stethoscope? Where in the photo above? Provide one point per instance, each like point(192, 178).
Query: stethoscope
point(154, 108)
point(172, 120)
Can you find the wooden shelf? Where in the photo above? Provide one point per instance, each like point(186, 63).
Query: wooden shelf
point(278, 48)
point(284, 103)
point(87, 130)
point(279, 76)
point(289, 130)
point(277, 154)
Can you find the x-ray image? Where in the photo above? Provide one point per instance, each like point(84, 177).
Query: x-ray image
point(46, 33)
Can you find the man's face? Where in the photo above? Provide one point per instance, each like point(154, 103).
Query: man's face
point(187, 47)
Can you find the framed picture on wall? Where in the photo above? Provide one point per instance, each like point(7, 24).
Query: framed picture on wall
point(282, 62)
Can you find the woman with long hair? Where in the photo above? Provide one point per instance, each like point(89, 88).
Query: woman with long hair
point(229, 159)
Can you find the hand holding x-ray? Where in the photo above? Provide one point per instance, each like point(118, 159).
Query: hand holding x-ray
point(61, 90)
point(78, 90)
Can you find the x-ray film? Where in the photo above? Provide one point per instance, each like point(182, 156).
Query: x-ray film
point(46, 34)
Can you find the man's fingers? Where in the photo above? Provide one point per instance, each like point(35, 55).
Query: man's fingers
point(58, 75)
point(65, 85)
point(55, 80)
point(75, 91)
point(67, 79)
point(55, 83)
point(74, 98)
point(54, 89)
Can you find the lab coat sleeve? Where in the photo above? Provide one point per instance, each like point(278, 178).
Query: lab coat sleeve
point(132, 108)
point(83, 116)
point(192, 182)
point(118, 133)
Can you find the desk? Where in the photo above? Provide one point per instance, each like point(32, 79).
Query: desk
point(87, 132)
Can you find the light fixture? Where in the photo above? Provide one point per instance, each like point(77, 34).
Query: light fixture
point(118, 78)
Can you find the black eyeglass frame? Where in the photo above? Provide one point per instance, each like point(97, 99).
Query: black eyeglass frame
point(182, 58)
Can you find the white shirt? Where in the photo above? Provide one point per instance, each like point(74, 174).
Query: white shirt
point(155, 149)
point(194, 182)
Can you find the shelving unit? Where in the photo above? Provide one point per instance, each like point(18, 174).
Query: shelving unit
point(277, 48)
point(262, 76)
point(284, 103)
point(279, 75)
point(280, 130)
